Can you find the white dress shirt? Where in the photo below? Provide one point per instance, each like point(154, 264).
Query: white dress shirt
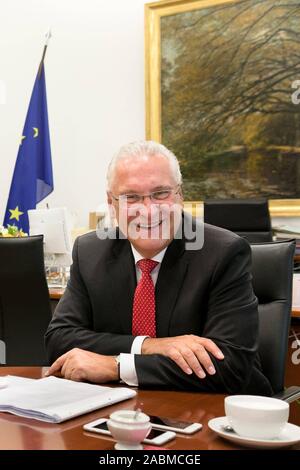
point(127, 364)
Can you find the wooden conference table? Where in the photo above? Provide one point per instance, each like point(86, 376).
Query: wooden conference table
point(22, 433)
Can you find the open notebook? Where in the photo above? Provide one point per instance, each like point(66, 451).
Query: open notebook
point(55, 400)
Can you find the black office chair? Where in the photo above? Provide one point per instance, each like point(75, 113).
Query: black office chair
point(24, 301)
point(249, 218)
point(272, 270)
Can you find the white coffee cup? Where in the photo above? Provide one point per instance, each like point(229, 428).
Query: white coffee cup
point(255, 416)
point(129, 428)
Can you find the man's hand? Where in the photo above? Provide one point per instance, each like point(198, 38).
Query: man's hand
point(80, 365)
point(188, 351)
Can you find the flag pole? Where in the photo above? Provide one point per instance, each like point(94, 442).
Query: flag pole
point(48, 36)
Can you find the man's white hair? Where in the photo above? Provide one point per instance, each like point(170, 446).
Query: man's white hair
point(138, 150)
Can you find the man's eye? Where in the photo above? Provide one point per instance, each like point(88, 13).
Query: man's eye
point(132, 198)
point(161, 195)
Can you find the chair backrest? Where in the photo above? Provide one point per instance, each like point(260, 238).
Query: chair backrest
point(249, 218)
point(24, 301)
point(272, 270)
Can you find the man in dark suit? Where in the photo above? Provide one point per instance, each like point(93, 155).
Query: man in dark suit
point(154, 310)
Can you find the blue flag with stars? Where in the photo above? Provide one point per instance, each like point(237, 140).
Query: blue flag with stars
point(32, 179)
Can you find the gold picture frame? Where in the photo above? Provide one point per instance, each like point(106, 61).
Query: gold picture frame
point(154, 12)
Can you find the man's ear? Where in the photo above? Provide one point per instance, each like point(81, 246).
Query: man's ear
point(180, 192)
point(111, 209)
point(109, 198)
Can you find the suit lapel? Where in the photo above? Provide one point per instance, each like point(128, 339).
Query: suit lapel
point(121, 271)
point(168, 285)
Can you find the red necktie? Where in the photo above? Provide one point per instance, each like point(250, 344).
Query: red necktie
point(143, 321)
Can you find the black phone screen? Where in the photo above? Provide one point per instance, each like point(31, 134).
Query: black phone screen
point(173, 423)
point(153, 433)
point(101, 426)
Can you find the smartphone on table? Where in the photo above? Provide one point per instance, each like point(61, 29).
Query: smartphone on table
point(170, 424)
point(155, 437)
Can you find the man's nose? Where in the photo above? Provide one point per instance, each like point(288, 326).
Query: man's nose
point(149, 209)
point(147, 201)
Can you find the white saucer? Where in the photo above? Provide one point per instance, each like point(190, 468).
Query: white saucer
point(290, 435)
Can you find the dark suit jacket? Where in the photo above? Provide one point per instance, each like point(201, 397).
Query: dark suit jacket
point(206, 292)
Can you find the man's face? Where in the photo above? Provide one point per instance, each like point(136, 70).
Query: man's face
point(148, 223)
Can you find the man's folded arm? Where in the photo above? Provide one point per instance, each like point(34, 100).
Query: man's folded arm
point(231, 322)
point(159, 372)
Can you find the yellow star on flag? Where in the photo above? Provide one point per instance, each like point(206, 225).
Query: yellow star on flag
point(15, 213)
point(22, 138)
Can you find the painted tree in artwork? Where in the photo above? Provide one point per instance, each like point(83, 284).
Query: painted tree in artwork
point(227, 74)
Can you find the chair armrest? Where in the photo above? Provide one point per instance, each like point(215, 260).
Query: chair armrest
point(290, 394)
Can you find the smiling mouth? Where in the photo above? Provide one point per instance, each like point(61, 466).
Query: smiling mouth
point(148, 227)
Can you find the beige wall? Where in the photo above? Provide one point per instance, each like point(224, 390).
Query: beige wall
point(95, 84)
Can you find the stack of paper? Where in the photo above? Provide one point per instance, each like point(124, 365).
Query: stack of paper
point(287, 231)
point(55, 400)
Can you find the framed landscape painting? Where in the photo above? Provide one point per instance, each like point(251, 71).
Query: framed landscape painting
point(223, 93)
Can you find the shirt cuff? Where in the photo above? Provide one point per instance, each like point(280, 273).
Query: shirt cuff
point(127, 369)
point(136, 347)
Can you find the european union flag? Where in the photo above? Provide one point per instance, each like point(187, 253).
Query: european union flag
point(32, 179)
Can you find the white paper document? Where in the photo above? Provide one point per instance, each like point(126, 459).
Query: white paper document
point(55, 400)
